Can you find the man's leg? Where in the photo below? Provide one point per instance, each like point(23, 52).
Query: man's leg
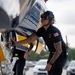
point(56, 70)
point(19, 66)
point(58, 66)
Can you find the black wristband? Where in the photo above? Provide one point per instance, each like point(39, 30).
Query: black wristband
point(50, 63)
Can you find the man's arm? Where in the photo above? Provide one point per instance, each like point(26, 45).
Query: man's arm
point(30, 39)
point(57, 53)
point(31, 46)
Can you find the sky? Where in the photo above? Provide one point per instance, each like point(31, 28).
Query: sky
point(64, 11)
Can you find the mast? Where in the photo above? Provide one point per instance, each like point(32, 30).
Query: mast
point(66, 41)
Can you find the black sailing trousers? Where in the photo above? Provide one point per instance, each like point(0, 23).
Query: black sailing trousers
point(19, 66)
point(57, 67)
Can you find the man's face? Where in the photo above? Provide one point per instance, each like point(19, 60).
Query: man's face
point(44, 21)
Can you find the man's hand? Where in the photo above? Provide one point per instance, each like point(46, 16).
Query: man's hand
point(9, 44)
point(48, 67)
point(13, 42)
point(26, 55)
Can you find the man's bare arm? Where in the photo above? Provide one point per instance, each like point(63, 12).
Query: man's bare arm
point(31, 46)
point(30, 39)
point(57, 53)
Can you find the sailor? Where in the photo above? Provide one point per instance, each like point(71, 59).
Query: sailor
point(53, 39)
